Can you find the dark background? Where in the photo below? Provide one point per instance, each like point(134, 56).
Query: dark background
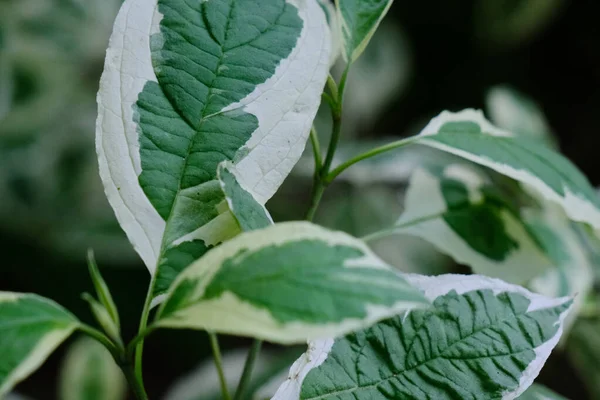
point(453, 62)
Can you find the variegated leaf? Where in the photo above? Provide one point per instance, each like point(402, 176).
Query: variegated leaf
point(359, 21)
point(458, 209)
point(31, 328)
point(189, 85)
point(287, 283)
point(483, 339)
point(469, 135)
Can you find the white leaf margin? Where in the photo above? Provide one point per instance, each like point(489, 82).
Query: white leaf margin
point(433, 287)
point(274, 148)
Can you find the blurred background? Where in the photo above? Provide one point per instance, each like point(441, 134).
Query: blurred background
point(531, 65)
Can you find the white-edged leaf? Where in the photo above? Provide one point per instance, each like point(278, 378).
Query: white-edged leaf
point(187, 86)
point(458, 209)
point(483, 339)
point(287, 283)
point(469, 135)
point(540, 392)
point(90, 373)
point(31, 328)
point(359, 21)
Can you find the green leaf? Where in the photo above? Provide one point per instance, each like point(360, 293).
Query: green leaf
point(103, 292)
point(359, 21)
point(31, 328)
point(483, 339)
point(469, 135)
point(187, 86)
point(513, 111)
point(459, 210)
point(540, 392)
point(287, 283)
point(90, 373)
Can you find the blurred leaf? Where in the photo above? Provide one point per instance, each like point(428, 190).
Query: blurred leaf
point(571, 273)
point(514, 112)
point(90, 373)
point(583, 349)
point(506, 23)
point(203, 382)
point(540, 392)
point(459, 210)
point(49, 184)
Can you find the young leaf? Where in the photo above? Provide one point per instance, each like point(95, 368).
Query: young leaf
point(31, 328)
point(483, 339)
point(359, 21)
point(459, 211)
point(102, 291)
point(540, 392)
point(90, 373)
point(469, 135)
point(287, 283)
point(103, 317)
point(189, 85)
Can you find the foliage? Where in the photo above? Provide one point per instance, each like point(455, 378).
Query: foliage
point(204, 109)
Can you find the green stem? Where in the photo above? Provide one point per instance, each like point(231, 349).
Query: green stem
point(317, 194)
point(214, 343)
point(120, 358)
point(247, 374)
point(371, 153)
point(114, 349)
point(136, 385)
point(314, 140)
point(139, 348)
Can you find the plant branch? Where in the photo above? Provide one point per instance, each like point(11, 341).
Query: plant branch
point(314, 141)
point(139, 347)
point(247, 374)
point(136, 385)
point(99, 336)
point(371, 153)
point(216, 349)
point(120, 357)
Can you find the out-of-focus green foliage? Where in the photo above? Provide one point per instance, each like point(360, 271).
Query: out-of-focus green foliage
point(505, 23)
point(51, 54)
